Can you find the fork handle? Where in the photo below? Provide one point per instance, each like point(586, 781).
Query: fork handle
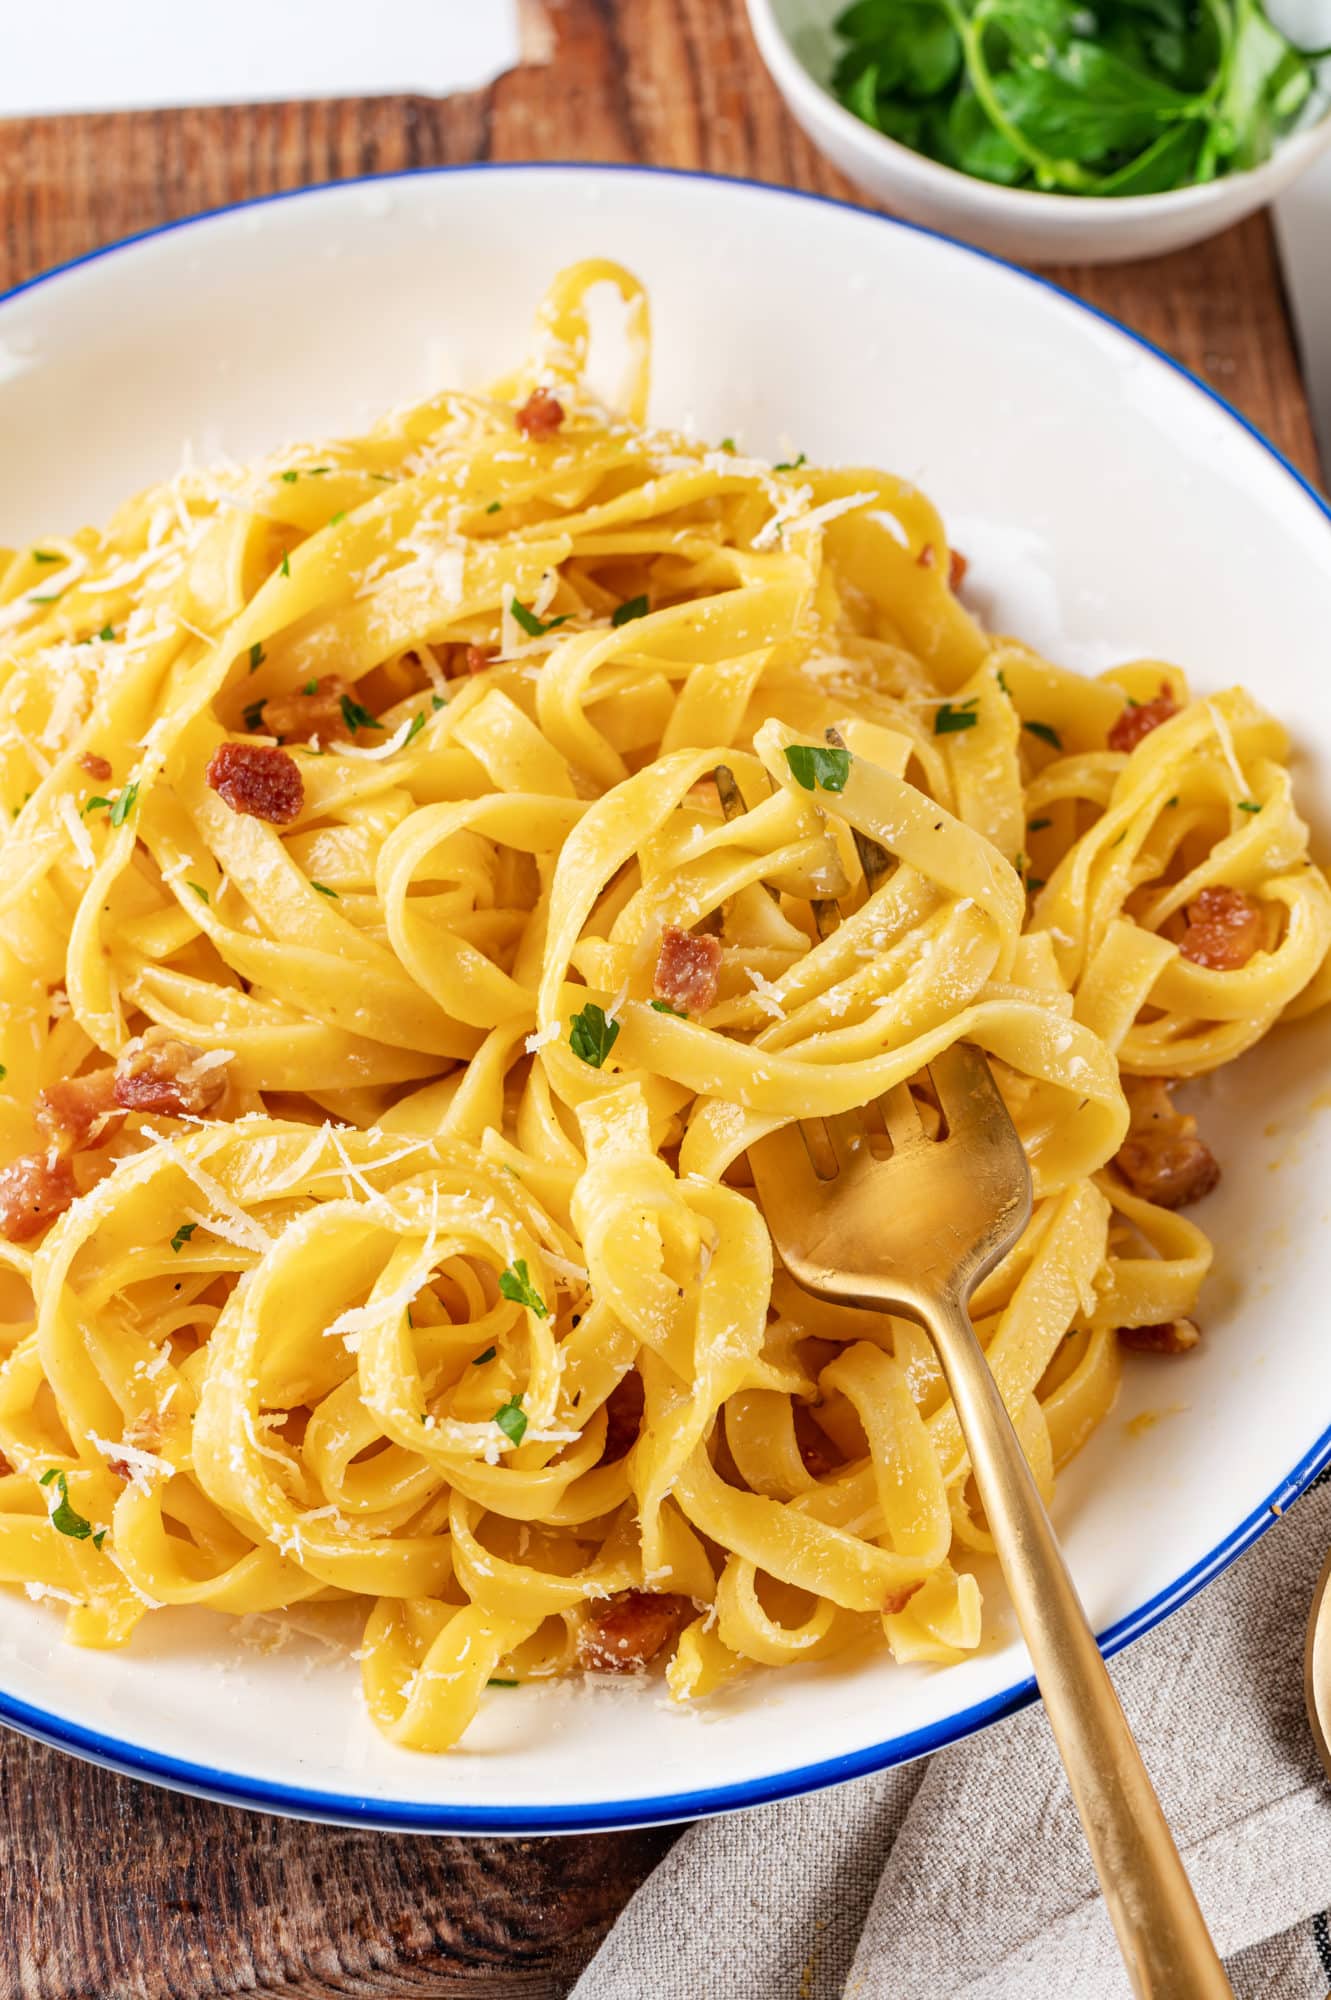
point(1161, 1931)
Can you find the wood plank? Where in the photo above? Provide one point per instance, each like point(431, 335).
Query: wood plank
point(117, 1892)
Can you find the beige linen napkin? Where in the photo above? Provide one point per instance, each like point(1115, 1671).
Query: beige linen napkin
point(966, 1877)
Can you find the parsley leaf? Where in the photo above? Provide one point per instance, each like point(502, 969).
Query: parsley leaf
point(324, 890)
point(290, 478)
point(634, 607)
point(123, 804)
point(3, 1072)
point(534, 627)
point(417, 724)
point(488, 1355)
point(106, 635)
point(512, 1419)
point(199, 891)
point(664, 1007)
point(284, 567)
point(790, 464)
point(45, 556)
point(496, 1682)
point(51, 597)
point(953, 716)
point(182, 1235)
point(65, 1519)
point(515, 1283)
point(1037, 825)
point(592, 1034)
point(494, 506)
point(357, 717)
point(811, 764)
point(1249, 806)
point(257, 655)
point(95, 805)
point(1046, 733)
point(728, 444)
point(252, 717)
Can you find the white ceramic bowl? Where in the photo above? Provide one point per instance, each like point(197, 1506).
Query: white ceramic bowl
point(797, 44)
point(1109, 505)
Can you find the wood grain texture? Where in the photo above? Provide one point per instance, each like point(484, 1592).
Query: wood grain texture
point(112, 1891)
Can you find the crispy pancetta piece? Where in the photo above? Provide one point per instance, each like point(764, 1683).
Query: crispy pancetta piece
point(259, 780)
point(688, 970)
point(1224, 929)
point(628, 1630)
point(1162, 1159)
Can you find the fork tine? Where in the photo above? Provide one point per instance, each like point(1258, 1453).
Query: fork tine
point(874, 860)
point(901, 1117)
point(967, 1093)
point(848, 1139)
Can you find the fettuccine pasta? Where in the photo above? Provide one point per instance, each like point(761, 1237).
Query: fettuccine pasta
point(431, 860)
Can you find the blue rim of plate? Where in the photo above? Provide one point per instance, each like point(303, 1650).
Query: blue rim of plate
point(608, 1815)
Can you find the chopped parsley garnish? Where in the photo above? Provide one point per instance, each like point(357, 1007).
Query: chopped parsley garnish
point(417, 724)
point(634, 607)
point(384, 478)
point(1173, 801)
point(253, 715)
point(310, 687)
point(495, 1682)
point(357, 717)
point(1046, 733)
point(534, 627)
point(488, 1355)
point(324, 890)
point(290, 478)
point(592, 1034)
point(1249, 806)
point(664, 1007)
point(437, 702)
point(810, 765)
point(45, 555)
point(318, 471)
point(953, 716)
point(95, 805)
point(515, 1283)
point(51, 597)
point(199, 890)
point(64, 1518)
point(727, 444)
point(1001, 678)
point(123, 805)
point(3, 1072)
point(789, 464)
point(340, 515)
point(1034, 882)
point(284, 566)
point(512, 1419)
point(1037, 825)
point(257, 655)
point(106, 635)
point(182, 1235)
point(494, 506)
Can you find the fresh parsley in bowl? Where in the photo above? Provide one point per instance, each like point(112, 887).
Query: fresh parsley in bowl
point(1117, 97)
point(1059, 130)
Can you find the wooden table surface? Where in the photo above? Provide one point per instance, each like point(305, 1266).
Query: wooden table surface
point(113, 1891)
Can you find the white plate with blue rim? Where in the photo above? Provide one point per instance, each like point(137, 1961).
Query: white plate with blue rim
point(1110, 505)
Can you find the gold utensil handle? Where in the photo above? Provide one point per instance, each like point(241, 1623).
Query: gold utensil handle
point(1161, 1931)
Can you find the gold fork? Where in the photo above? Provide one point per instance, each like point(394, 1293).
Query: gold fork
point(913, 1233)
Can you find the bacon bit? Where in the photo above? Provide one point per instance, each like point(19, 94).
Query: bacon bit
point(477, 658)
point(1171, 1336)
point(1134, 723)
point(1162, 1159)
point(33, 1191)
point(301, 716)
point(96, 767)
point(158, 1072)
point(5, 1467)
point(1224, 929)
point(629, 1629)
point(259, 780)
point(79, 1110)
point(957, 565)
point(897, 1600)
point(540, 416)
point(688, 970)
point(623, 1416)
